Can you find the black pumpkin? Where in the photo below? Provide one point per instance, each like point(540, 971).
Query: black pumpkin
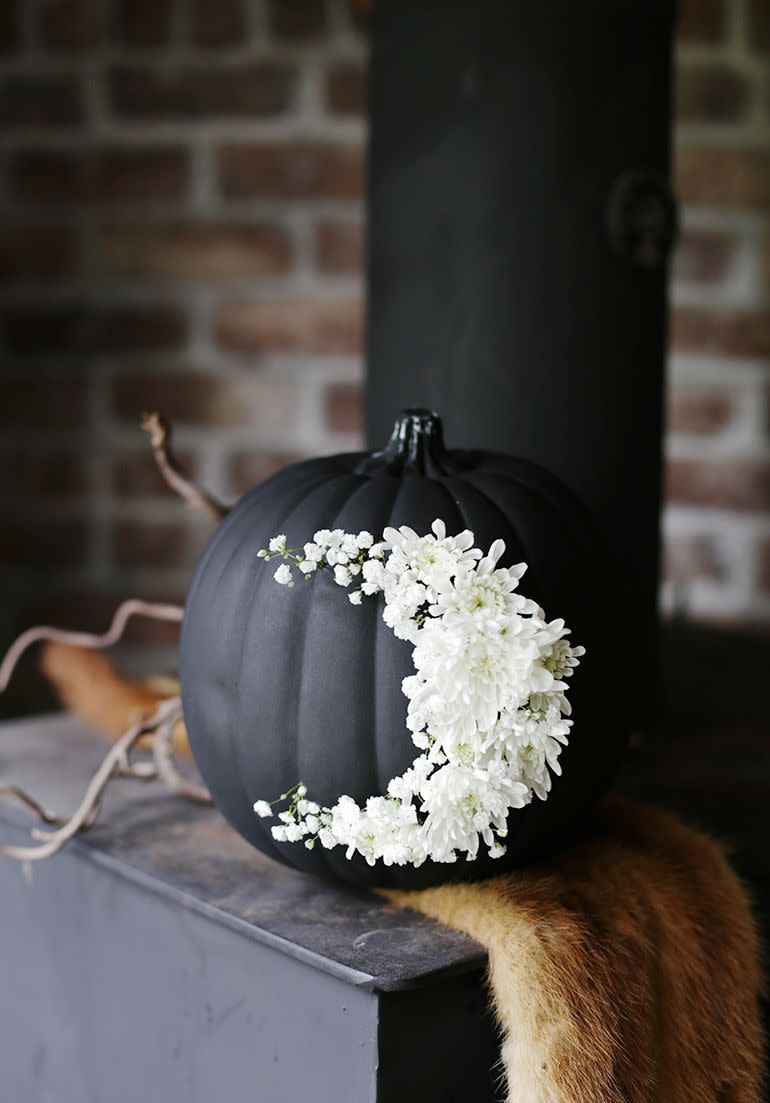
point(284, 685)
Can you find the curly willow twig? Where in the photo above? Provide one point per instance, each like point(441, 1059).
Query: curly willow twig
point(122, 615)
point(112, 765)
point(159, 431)
point(117, 763)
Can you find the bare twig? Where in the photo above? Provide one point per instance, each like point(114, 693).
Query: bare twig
point(117, 763)
point(24, 798)
point(86, 639)
point(163, 757)
point(112, 765)
point(159, 430)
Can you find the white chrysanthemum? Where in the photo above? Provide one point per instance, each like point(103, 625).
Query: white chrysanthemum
point(487, 702)
point(483, 592)
point(465, 805)
point(433, 558)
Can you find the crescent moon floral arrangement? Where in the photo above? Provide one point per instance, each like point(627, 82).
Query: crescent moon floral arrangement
point(488, 711)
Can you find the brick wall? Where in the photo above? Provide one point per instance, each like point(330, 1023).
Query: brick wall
point(717, 520)
point(181, 227)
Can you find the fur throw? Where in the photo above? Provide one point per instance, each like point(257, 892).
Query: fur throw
point(623, 970)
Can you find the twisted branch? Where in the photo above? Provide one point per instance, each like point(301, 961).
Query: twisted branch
point(159, 430)
point(115, 763)
point(24, 798)
point(86, 639)
point(165, 766)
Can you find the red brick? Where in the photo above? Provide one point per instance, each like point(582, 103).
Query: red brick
point(699, 410)
point(203, 250)
point(45, 543)
point(742, 485)
point(41, 474)
point(340, 246)
point(291, 325)
point(72, 24)
point(36, 401)
point(217, 24)
point(701, 20)
point(344, 407)
point(759, 24)
point(47, 101)
point(297, 20)
point(723, 177)
point(9, 27)
point(112, 175)
point(300, 170)
point(144, 22)
point(345, 89)
point(36, 252)
point(710, 93)
point(135, 474)
point(693, 558)
point(192, 397)
point(83, 328)
point(153, 544)
point(703, 256)
point(728, 332)
point(247, 469)
point(194, 92)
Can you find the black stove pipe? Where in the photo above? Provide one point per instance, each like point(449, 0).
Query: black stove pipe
point(520, 223)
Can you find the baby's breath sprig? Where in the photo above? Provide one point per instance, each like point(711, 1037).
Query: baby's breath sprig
point(344, 553)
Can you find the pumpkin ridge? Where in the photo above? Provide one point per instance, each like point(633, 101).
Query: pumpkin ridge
point(305, 860)
point(250, 508)
point(331, 524)
point(539, 584)
point(517, 542)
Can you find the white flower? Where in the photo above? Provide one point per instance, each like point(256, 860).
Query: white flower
point(333, 542)
point(283, 575)
point(342, 576)
point(374, 576)
point(487, 706)
point(432, 559)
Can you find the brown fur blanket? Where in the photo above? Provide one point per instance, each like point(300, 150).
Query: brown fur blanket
point(622, 970)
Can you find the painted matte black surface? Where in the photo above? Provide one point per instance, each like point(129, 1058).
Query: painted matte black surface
point(508, 286)
point(284, 685)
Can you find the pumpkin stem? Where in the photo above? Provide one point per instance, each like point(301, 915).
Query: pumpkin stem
point(416, 447)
